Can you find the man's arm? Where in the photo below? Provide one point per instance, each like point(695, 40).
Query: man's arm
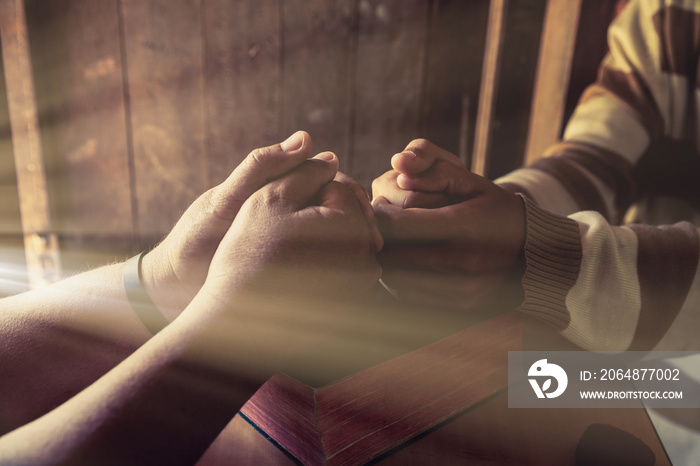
point(57, 340)
point(604, 287)
point(631, 284)
point(165, 403)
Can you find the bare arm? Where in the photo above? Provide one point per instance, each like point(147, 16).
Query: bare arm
point(167, 402)
point(56, 341)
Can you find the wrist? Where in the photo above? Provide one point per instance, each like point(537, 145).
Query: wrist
point(161, 285)
point(242, 333)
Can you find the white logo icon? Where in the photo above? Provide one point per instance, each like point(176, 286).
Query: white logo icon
point(542, 369)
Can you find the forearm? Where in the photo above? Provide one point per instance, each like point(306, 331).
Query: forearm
point(57, 340)
point(575, 176)
point(164, 404)
point(168, 401)
point(608, 288)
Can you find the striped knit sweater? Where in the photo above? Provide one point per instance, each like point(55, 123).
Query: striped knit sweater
point(605, 286)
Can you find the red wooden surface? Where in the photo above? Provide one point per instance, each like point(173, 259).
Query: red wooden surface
point(366, 414)
point(445, 403)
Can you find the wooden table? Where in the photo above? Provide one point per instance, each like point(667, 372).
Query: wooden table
point(445, 403)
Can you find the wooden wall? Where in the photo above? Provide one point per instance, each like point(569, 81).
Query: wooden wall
point(144, 104)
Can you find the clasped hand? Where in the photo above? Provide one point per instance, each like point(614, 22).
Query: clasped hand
point(451, 237)
point(289, 224)
point(280, 223)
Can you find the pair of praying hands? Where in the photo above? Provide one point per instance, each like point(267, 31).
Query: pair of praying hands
point(288, 224)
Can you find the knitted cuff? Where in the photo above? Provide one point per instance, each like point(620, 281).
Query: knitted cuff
point(552, 263)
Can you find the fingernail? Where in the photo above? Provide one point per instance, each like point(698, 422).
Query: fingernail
point(293, 142)
point(409, 153)
point(402, 180)
point(327, 156)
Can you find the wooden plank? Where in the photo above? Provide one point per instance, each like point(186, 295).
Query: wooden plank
point(13, 264)
point(456, 43)
point(286, 410)
point(242, 80)
point(388, 82)
point(164, 62)
point(241, 443)
point(553, 71)
point(10, 221)
point(491, 433)
point(317, 81)
point(375, 410)
point(360, 418)
point(488, 433)
point(489, 85)
point(40, 240)
point(80, 95)
point(516, 82)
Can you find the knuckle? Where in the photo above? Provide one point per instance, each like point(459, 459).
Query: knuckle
point(446, 169)
point(272, 193)
point(346, 193)
point(259, 156)
point(212, 201)
point(221, 205)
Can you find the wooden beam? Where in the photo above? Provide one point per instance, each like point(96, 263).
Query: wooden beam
point(553, 71)
point(77, 69)
point(489, 85)
point(40, 241)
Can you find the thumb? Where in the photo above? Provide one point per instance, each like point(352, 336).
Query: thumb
point(257, 169)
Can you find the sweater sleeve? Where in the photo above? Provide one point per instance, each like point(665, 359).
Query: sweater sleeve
point(610, 288)
point(604, 286)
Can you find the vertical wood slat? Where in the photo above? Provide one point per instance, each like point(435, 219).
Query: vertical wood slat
point(10, 221)
point(553, 70)
point(13, 263)
point(41, 242)
point(316, 72)
point(242, 42)
point(456, 40)
point(80, 97)
point(164, 54)
point(489, 82)
point(388, 82)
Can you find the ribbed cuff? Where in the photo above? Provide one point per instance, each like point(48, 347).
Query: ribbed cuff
point(552, 263)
